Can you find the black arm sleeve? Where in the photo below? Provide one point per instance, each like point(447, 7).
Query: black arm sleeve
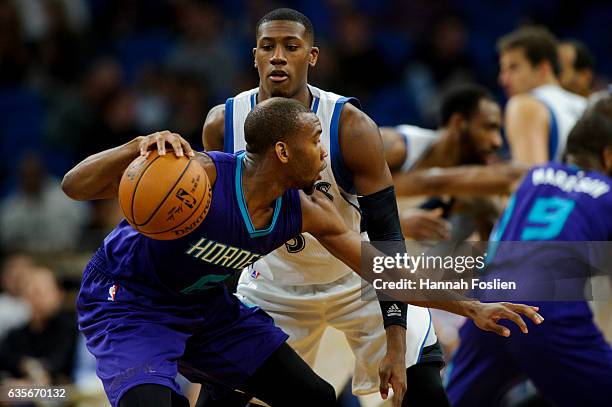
point(380, 218)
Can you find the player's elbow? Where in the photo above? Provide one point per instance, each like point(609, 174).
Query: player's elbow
point(71, 187)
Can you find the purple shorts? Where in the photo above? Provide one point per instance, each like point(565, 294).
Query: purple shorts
point(139, 339)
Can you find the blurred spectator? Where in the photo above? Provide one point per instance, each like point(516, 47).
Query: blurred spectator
point(38, 217)
point(15, 275)
point(364, 67)
point(577, 67)
point(61, 49)
point(14, 57)
point(42, 351)
point(190, 108)
point(105, 215)
point(204, 50)
point(100, 116)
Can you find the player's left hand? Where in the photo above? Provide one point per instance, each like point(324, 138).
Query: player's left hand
point(392, 370)
point(487, 315)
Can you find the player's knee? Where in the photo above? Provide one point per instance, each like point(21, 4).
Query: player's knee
point(318, 394)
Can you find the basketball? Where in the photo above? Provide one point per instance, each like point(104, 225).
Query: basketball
point(164, 197)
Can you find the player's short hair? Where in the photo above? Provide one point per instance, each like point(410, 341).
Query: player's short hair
point(584, 57)
point(273, 120)
point(593, 131)
point(462, 99)
point(538, 43)
point(287, 14)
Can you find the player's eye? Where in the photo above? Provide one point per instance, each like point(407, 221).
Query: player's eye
point(292, 48)
point(266, 47)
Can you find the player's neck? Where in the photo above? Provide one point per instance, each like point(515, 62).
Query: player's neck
point(261, 184)
point(444, 152)
point(303, 95)
point(549, 80)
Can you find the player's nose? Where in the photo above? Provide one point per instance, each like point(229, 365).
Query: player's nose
point(278, 57)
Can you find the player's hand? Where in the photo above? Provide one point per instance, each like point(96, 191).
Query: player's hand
point(420, 224)
point(157, 141)
point(392, 370)
point(487, 315)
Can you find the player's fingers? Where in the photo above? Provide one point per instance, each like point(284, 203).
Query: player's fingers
point(187, 147)
point(438, 212)
point(175, 141)
point(516, 318)
point(498, 329)
point(399, 389)
point(435, 230)
point(529, 311)
point(145, 143)
point(384, 383)
point(161, 144)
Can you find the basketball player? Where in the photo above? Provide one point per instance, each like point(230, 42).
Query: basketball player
point(539, 114)
point(451, 160)
point(149, 308)
point(577, 67)
point(301, 285)
point(568, 360)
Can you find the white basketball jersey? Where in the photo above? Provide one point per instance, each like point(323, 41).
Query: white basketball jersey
point(303, 261)
point(565, 109)
point(417, 141)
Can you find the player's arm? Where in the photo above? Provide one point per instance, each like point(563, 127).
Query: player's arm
point(394, 147)
point(214, 129)
point(98, 176)
point(527, 124)
point(462, 180)
point(321, 219)
point(363, 154)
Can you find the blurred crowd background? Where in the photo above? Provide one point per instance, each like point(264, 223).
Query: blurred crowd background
point(79, 76)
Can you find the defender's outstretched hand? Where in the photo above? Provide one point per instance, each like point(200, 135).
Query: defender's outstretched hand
point(486, 316)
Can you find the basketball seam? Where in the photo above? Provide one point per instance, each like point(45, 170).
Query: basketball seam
point(165, 197)
point(194, 211)
point(136, 189)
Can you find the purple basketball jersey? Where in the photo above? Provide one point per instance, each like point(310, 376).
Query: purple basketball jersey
point(224, 243)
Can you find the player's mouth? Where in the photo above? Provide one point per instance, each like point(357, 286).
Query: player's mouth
point(278, 76)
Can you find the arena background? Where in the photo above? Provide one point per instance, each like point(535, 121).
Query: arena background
point(79, 76)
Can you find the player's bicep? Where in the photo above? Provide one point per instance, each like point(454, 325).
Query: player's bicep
point(527, 130)
point(214, 129)
point(362, 151)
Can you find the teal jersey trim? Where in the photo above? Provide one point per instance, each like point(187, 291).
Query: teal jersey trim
point(243, 208)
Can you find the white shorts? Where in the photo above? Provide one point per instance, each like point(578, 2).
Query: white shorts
point(304, 312)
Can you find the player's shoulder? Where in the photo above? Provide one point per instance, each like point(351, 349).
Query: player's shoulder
point(216, 115)
point(526, 106)
point(213, 130)
point(354, 122)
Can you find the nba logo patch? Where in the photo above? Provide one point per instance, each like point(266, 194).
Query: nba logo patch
point(112, 292)
point(254, 273)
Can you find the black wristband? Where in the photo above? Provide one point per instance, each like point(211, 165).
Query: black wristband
point(394, 313)
point(380, 219)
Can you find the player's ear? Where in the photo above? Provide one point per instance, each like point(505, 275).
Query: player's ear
point(282, 152)
point(314, 56)
point(457, 122)
point(254, 59)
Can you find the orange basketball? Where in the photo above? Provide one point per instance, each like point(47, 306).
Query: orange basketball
point(164, 196)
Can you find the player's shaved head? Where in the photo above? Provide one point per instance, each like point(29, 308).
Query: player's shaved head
point(273, 120)
point(288, 14)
